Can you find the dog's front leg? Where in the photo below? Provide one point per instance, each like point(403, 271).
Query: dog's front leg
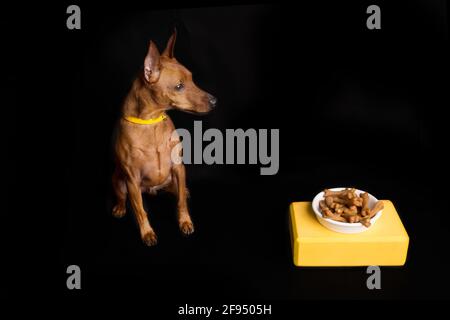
point(184, 219)
point(135, 196)
point(120, 189)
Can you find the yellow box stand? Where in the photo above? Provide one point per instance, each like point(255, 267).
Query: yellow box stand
point(384, 244)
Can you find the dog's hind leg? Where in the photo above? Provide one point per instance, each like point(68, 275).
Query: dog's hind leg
point(120, 190)
point(184, 219)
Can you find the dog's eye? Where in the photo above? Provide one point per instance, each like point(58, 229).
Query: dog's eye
point(179, 86)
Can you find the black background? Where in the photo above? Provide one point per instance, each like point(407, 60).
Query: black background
point(355, 107)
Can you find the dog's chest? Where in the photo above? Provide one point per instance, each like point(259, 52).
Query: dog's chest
point(152, 161)
point(149, 152)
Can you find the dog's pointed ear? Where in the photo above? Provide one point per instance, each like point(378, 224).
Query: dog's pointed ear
point(168, 52)
point(151, 64)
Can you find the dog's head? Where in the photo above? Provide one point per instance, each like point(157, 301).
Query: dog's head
point(171, 83)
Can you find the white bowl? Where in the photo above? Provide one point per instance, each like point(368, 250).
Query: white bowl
point(344, 227)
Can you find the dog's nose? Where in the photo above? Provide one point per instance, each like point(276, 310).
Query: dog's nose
point(212, 101)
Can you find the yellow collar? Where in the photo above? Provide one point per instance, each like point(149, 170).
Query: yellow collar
point(162, 117)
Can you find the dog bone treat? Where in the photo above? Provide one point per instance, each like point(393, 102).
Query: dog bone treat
point(347, 193)
point(353, 211)
point(330, 202)
point(347, 206)
point(347, 202)
point(352, 218)
point(324, 208)
point(328, 213)
point(340, 209)
point(344, 201)
point(378, 206)
point(366, 220)
point(365, 204)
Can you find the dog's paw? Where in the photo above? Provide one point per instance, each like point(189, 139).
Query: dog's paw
point(186, 227)
point(150, 238)
point(119, 211)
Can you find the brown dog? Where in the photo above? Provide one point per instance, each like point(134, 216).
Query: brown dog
point(145, 140)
